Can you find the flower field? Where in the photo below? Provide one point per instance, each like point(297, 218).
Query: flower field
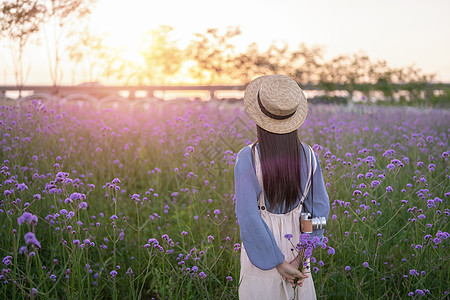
point(138, 204)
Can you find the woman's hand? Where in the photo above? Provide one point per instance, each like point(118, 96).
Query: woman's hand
point(289, 273)
point(295, 263)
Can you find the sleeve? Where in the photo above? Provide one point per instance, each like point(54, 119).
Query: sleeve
point(258, 240)
point(321, 199)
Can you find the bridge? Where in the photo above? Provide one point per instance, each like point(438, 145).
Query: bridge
point(101, 96)
point(212, 89)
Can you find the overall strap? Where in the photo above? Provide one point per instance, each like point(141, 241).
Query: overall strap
point(261, 202)
point(310, 184)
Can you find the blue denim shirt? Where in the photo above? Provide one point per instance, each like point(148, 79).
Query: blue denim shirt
point(259, 242)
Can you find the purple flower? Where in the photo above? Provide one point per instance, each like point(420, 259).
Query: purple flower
point(21, 186)
point(375, 183)
point(189, 149)
point(23, 250)
point(357, 192)
point(304, 237)
point(229, 278)
point(77, 196)
point(83, 205)
point(331, 251)
point(7, 260)
point(308, 252)
point(388, 152)
point(30, 238)
point(153, 241)
point(366, 264)
point(442, 234)
point(369, 160)
point(27, 218)
point(347, 268)
point(420, 292)
point(316, 241)
point(288, 236)
point(113, 274)
point(389, 189)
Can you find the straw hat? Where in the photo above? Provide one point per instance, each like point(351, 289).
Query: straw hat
point(276, 103)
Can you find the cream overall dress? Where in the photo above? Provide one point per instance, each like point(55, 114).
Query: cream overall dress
point(268, 284)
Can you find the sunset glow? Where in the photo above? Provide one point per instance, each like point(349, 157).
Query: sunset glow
point(384, 30)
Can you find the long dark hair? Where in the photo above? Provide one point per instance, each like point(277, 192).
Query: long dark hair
point(280, 164)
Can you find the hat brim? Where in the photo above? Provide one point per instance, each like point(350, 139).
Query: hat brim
point(272, 125)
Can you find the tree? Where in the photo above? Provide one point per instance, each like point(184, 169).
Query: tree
point(275, 60)
point(89, 51)
point(60, 15)
point(243, 68)
point(19, 20)
point(161, 56)
point(307, 61)
point(213, 55)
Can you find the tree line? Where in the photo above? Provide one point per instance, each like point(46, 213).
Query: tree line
point(209, 58)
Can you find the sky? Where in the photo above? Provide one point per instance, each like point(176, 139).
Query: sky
point(402, 32)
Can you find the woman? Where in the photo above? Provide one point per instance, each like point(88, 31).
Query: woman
point(272, 185)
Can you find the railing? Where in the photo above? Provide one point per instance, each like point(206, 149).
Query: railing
point(100, 97)
point(212, 89)
point(94, 89)
point(98, 94)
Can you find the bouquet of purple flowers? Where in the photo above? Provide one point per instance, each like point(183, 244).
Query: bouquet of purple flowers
point(304, 249)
